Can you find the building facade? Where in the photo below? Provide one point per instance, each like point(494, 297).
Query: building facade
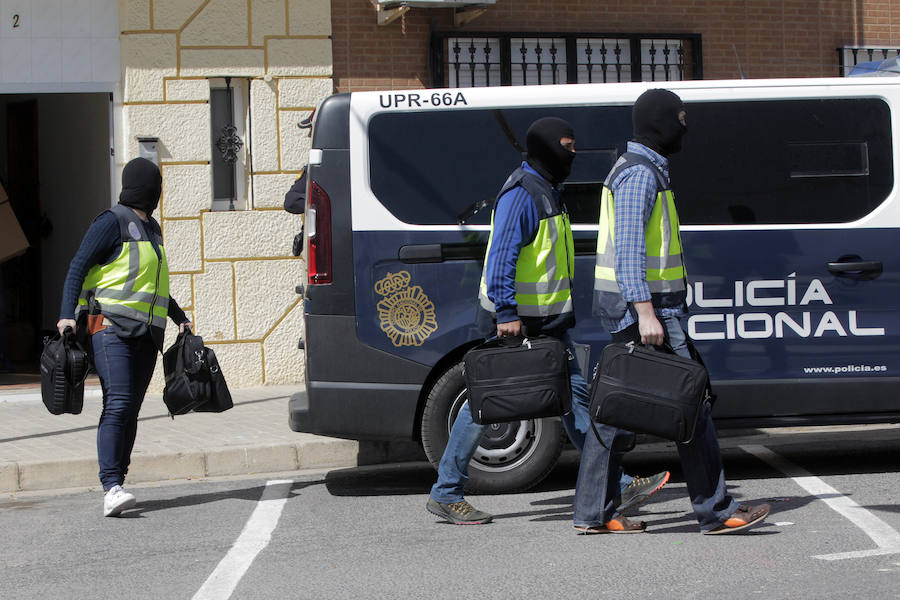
point(221, 94)
point(728, 39)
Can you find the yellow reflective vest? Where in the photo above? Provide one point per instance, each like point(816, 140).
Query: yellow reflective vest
point(135, 284)
point(666, 274)
point(545, 267)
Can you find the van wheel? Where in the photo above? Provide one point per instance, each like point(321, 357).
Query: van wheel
point(510, 457)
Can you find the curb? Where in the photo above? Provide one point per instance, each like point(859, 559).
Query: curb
point(227, 460)
point(30, 395)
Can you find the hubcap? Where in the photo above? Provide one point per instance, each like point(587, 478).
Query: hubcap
point(503, 446)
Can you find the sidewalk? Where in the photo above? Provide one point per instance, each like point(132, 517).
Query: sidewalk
point(43, 451)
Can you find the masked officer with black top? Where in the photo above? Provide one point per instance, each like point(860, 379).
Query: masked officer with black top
point(528, 219)
point(120, 276)
point(639, 294)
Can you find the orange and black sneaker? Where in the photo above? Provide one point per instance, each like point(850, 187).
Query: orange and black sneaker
point(745, 516)
point(639, 491)
point(619, 524)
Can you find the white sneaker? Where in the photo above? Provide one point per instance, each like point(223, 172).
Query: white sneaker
point(116, 500)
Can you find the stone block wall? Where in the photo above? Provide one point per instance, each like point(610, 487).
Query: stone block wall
point(231, 271)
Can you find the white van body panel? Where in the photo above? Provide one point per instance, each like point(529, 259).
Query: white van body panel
point(370, 215)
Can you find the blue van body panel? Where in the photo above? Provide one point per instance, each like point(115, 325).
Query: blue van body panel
point(784, 326)
point(839, 321)
point(447, 290)
point(430, 310)
point(348, 397)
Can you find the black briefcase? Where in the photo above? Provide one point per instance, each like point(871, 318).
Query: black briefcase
point(64, 367)
point(517, 378)
point(194, 380)
point(645, 390)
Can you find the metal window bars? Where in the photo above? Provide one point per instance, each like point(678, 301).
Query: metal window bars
point(542, 59)
point(603, 60)
point(475, 62)
point(539, 61)
point(662, 60)
point(850, 56)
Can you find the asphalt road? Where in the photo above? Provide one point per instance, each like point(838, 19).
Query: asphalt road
point(364, 533)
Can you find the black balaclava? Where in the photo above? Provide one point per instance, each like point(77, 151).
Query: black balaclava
point(141, 185)
point(545, 154)
point(655, 120)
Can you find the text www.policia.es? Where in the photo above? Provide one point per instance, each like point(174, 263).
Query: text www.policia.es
point(841, 369)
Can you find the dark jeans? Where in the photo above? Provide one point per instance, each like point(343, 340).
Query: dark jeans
point(125, 366)
point(701, 461)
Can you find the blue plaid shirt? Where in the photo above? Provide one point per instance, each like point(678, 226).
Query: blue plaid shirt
point(516, 222)
point(634, 192)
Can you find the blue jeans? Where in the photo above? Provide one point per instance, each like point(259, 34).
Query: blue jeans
point(453, 470)
point(701, 461)
point(125, 366)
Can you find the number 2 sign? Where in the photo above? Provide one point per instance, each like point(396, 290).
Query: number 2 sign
point(13, 21)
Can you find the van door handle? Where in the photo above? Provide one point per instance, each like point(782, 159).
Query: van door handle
point(435, 253)
point(853, 265)
point(866, 266)
point(421, 253)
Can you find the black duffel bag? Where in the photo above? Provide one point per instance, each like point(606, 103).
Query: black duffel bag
point(194, 381)
point(645, 390)
point(64, 367)
point(518, 378)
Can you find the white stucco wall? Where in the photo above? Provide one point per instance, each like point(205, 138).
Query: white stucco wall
point(50, 42)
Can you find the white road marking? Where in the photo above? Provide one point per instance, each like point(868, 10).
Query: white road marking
point(885, 537)
point(255, 536)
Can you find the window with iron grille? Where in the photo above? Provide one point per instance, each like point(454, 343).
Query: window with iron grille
point(851, 56)
point(229, 114)
point(486, 59)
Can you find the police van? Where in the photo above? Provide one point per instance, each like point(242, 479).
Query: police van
point(790, 222)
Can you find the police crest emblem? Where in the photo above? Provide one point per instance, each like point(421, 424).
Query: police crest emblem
point(406, 314)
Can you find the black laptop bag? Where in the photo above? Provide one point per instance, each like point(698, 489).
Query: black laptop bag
point(64, 367)
point(645, 390)
point(517, 378)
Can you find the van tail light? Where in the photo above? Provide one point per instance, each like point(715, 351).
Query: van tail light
point(318, 229)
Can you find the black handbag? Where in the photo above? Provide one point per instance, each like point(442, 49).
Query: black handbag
point(645, 390)
point(64, 367)
point(194, 380)
point(220, 399)
point(517, 378)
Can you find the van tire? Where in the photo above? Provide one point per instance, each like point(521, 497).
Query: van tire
point(518, 455)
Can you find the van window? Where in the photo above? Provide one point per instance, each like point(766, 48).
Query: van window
point(786, 161)
point(427, 168)
point(748, 162)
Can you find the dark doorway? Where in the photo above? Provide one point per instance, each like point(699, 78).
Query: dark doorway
point(55, 164)
point(21, 275)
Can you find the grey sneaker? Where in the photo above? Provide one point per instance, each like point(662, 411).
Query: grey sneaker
point(640, 490)
point(458, 513)
point(116, 500)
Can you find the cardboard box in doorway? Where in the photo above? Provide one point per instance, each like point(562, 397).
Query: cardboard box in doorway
point(12, 239)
